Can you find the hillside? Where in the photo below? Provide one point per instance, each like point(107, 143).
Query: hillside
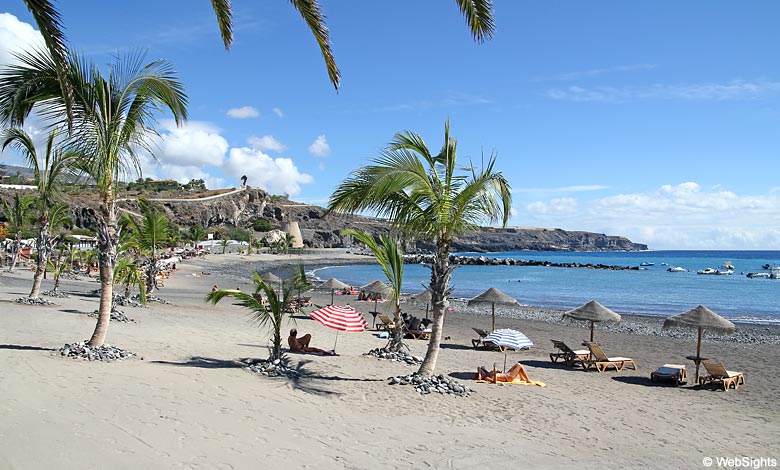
point(242, 207)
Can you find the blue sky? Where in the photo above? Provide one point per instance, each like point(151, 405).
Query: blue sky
point(654, 120)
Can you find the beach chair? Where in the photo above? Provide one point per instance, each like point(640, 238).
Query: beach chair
point(418, 334)
point(480, 342)
point(674, 372)
point(719, 375)
point(385, 323)
point(569, 356)
point(599, 359)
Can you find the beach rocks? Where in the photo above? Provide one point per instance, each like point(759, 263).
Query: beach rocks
point(55, 293)
point(116, 315)
point(435, 383)
point(104, 353)
point(29, 301)
point(400, 356)
point(276, 368)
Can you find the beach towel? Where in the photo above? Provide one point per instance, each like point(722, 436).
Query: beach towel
point(517, 381)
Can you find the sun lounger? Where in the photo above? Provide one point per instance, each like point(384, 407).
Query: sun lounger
point(674, 372)
point(480, 342)
point(418, 334)
point(599, 359)
point(569, 356)
point(719, 375)
point(385, 323)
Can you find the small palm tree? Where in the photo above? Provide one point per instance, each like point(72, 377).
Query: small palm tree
point(196, 234)
point(390, 257)
point(424, 194)
point(48, 171)
point(224, 244)
point(19, 214)
point(147, 237)
point(128, 274)
point(220, 233)
point(268, 316)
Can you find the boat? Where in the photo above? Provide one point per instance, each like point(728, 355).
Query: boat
point(646, 264)
point(775, 273)
point(677, 269)
point(758, 275)
point(727, 266)
point(707, 271)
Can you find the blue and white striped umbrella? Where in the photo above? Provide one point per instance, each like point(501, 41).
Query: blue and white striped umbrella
point(510, 339)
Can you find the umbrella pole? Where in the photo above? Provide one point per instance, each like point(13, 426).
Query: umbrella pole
point(426, 311)
point(698, 355)
point(505, 361)
point(591, 331)
point(337, 340)
point(494, 316)
point(331, 296)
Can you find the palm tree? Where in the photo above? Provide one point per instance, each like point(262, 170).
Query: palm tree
point(147, 237)
point(478, 15)
point(196, 234)
point(128, 274)
point(224, 243)
point(114, 116)
point(220, 232)
point(48, 171)
point(266, 316)
point(58, 219)
point(19, 215)
point(425, 195)
point(390, 257)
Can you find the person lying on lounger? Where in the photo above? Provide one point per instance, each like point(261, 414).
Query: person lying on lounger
point(516, 371)
point(301, 344)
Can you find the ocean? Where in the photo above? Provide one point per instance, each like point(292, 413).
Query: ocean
point(652, 290)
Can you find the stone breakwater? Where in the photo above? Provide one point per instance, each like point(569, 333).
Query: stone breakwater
point(487, 261)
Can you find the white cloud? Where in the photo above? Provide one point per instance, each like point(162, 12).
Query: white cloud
point(682, 216)
point(569, 76)
point(244, 112)
point(320, 147)
point(563, 189)
point(275, 175)
point(195, 143)
point(734, 90)
point(16, 36)
point(278, 112)
point(267, 142)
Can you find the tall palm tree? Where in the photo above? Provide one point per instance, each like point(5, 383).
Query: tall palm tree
point(48, 170)
point(266, 316)
point(478, 15)
point(114, 115)
point(425, 194)
point(390, 257)
point(147, 236)
point(19, 215)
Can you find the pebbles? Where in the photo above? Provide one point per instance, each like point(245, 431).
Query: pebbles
point(400, 356)
point(104, 353)
point(116, 315)
point(55, 293)
point(435, 383)
point(276, 368)
point(29, 301)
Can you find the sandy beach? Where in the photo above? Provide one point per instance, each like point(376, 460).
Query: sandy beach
point(188, 403)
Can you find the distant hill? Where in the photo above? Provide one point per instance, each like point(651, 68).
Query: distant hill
point(248, 207)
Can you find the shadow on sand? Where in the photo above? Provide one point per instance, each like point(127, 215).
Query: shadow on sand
point(205, 363)
point(19, 347)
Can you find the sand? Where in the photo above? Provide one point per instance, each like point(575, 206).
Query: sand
point(188, 403)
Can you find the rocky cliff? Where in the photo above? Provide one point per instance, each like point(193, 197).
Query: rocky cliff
point(243, 207)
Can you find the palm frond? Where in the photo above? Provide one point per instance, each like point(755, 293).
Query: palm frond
point(479, 17)
point(312, 15)
point(224, 15)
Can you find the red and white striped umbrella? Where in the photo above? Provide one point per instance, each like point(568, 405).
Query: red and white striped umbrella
point(340, 319)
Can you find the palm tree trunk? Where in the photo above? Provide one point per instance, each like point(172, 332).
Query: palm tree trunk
point(58, 270)
point(397, 341)
point(440, 281)
point(107, 238)
point(277, 349)
point(44, 251)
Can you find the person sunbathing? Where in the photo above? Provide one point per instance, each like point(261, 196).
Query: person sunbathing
point(301, 345)
point(516, 371)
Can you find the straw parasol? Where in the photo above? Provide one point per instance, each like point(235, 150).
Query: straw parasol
point(493, 296)
point(332, 284)
point(424, 296)
point(271, 279)
point(592, 312)
point(376, 287)
point(701, 318)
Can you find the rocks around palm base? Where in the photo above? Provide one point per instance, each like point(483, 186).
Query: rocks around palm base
point(55, 293)
point(398, 356)
point(116, 315)
point(435, 383)
point(276, 368)
point(106, 353)
point(29, 301)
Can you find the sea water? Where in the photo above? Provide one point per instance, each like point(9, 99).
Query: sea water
point(651, 290)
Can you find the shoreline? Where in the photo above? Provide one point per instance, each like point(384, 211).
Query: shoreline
point(632, 323)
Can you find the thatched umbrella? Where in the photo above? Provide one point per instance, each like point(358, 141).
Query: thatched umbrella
point(702, 318)
point(332, 284)
point(493, 296)
point(376, 287)
point(271, 279)
point(592, 312)
point(424, 296)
